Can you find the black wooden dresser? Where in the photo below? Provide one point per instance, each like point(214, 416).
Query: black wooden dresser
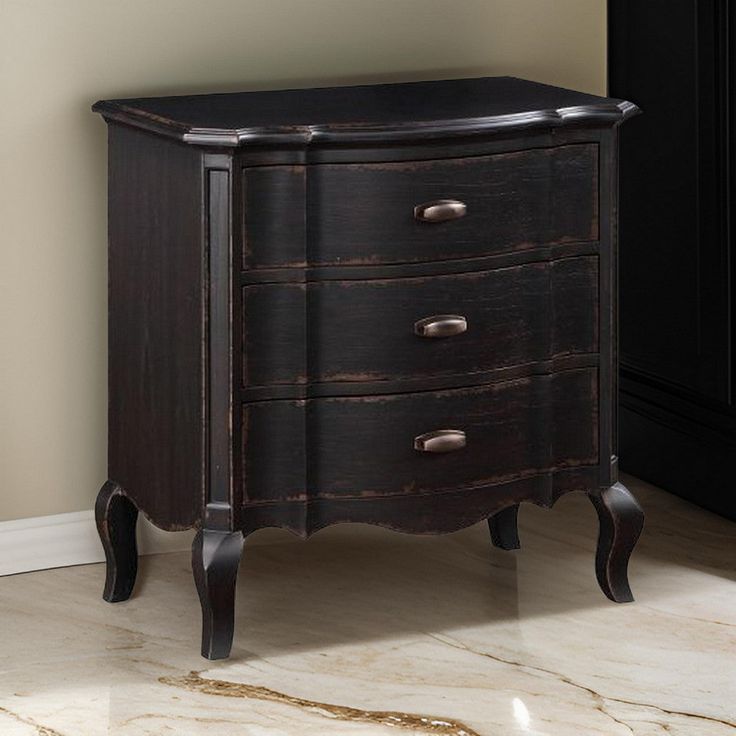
point(391, 304)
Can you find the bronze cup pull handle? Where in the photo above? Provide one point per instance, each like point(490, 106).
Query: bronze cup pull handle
point(441, 325)
point(441, 440)
point(440, 210)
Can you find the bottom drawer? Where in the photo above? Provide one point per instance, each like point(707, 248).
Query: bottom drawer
point(367, 445)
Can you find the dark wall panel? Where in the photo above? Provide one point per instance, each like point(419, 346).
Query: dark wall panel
point(674, 60)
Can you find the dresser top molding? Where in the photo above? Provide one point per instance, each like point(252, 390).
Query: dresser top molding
point(365, 114)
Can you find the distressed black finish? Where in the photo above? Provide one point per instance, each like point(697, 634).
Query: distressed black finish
point(363, 330)
point(359, 214)
point(363, 446)
point(273, 259)
point(155, 325)
point(678, 208)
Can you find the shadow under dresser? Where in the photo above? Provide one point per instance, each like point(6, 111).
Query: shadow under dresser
point(392, 304)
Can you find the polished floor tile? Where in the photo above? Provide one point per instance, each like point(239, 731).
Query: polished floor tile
point(365, 631)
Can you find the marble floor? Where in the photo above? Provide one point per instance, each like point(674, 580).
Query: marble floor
point(364, 631)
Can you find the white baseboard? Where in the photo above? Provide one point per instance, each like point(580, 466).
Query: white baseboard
point(62, 540)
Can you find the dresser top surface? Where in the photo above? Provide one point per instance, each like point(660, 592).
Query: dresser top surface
point(367, 113)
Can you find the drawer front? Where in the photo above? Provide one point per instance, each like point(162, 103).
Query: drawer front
point(367, 330)
point(361, 214)
point(365, 446)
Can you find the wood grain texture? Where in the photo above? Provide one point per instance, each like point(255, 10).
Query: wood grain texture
point(362, 214)
point(116, 517)
point(491, 262)
point(218, 389)
point(274, 216)
point(412, 385)
point(358, 331)
point(363, 446)
point(155, 448)
point(421, 149)
point(430, 513)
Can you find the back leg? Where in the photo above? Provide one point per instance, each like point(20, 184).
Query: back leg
point(116, 517)
point(504, 528)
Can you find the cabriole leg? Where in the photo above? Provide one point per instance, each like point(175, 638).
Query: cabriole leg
point(504, 528)
point(621, 520)
point(215, 559)
point(116, 518)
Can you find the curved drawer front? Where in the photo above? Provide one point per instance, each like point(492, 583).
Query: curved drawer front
point(388, 444)
point(402, 212)
point(367, 330)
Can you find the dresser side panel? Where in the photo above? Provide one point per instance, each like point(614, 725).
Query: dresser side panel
point(156, 325)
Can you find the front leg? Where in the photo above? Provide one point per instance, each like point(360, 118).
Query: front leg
point(621, 520)
point(116, 517)
point(215, 559)
point(504, 528)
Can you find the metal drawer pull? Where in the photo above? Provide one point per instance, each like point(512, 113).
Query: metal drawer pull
point(440, 210)
point(441, 325)
point(441, 440)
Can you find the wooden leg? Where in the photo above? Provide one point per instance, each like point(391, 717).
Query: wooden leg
point(504, 529)
point(116, 517)
point(621, 521)
point(215, 559)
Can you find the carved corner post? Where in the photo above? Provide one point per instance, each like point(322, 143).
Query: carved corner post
point(620, 517)
point(217, 548)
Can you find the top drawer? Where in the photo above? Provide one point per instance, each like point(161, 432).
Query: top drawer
point(364, 214)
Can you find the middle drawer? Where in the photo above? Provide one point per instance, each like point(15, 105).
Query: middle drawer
point(347, 331)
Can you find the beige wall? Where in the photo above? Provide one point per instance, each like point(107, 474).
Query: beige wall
point(56, 58)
